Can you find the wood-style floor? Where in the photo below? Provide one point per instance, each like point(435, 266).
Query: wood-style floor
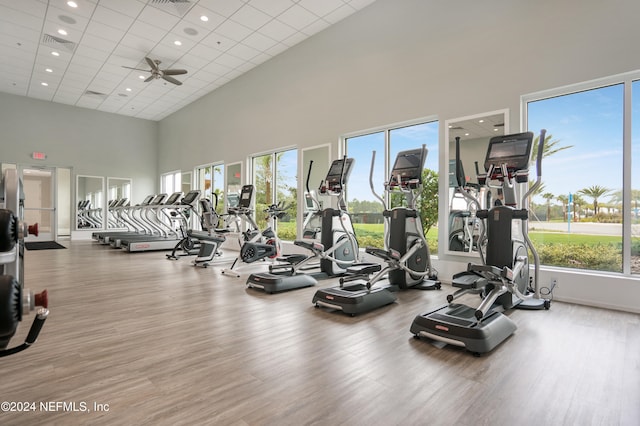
point(161, 342)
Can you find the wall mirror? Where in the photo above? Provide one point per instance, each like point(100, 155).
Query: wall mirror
point(89, 202)
point(475, 132)
point(118, 195)
point(233, 184)
point(309, 219)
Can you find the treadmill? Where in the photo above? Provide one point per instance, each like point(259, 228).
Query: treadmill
point(168, 237)
point(133, 226)
point(502, 280)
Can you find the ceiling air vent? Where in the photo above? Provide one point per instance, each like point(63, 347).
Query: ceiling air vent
point(175, 7)
point(95, 94)
point(58, 43)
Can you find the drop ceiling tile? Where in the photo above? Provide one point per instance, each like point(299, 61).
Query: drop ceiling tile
point(218, 42)
point(130, 8)
point(277, 30)
point(130, 52)
point(158, 18)
point(316, 27)
point(37, 9)
point(251, 17)
point(216, 68)
point(105, 32)
point(90, 52)
point(225, 8)
point(243, 52)
point(60, 17)
point(85, 8)
point(233, 30)
point(192, 32)
point(259, 41)
point(321, 7)
point(21, 18)
point(297, 17)
point(205, 53)
point(360, 4)
point(278, 48)
point(138, 43)
point(193, 62)
point(229, 60)
point(339, 14)
point(294, 39)
point(147, 31)
point(262, 57)
point(112, 18)
point(193, 17)
point(272, 7)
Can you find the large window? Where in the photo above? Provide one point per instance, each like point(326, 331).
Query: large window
point(579, 212)
point(275, 180)
point(634, 196)
point(365, 208)
point(171, 182)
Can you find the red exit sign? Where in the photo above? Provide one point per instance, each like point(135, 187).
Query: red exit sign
point(38, 155)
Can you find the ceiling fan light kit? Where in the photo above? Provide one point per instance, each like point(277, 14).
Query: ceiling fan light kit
point(157, 72)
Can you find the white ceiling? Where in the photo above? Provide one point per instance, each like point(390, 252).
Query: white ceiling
point(102, 36)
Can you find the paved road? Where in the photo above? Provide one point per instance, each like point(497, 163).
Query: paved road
point(584, 228)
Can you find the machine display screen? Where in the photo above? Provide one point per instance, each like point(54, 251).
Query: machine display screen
point(408, 164)
point(336, 170)
point(513, 150)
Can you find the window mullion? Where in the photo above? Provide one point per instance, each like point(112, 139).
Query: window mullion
point(626, 179)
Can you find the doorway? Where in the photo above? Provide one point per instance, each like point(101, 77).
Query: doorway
point(40, 201)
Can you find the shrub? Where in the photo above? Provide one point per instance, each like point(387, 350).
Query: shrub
point(603, 257)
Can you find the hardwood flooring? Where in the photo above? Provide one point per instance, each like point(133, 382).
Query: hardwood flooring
point(161, 342)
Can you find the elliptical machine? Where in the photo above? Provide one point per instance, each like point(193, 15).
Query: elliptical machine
point(257, 245)
point(502, 279)
point(336, 251)
point(15, 300)
point(406, 251)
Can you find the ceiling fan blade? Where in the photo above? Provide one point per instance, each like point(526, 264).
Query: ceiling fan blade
point(137, 69)
point(151, 63)
point(174, 72)
point(148, 79)
point(171, 80)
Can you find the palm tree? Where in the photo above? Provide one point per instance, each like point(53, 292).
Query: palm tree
point(548, 196)
point(595, 192)
point(550, 147)
point(577, 202)
point(565, 201)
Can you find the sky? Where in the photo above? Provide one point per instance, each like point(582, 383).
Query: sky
point(591, 123)
point(401, 139)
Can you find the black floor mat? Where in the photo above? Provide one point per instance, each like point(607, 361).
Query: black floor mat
point(43, 245)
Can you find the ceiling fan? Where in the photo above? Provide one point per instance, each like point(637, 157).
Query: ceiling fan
point(156, 72)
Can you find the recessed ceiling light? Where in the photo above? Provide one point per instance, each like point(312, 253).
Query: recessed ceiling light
point(450, 126)
point(480, 121)
point(62, 32)
point(466, 134)
point(495, 130)
point(44, 84)
point(54, 53)
point(48, 70)
point(177, 43)
point(72, 4)
point(141, 77)
point(128, 89)
point(204, 18)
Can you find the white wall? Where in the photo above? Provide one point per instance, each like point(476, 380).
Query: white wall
point(399, 60)
point(90, 142)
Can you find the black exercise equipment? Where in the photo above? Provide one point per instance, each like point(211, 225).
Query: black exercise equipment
point(502, 279)
point(15, 300)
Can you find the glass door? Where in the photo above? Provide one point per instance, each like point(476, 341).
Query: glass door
point(39, 201)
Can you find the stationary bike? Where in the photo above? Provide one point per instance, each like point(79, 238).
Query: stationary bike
point(15, 300)
point(255, 244)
